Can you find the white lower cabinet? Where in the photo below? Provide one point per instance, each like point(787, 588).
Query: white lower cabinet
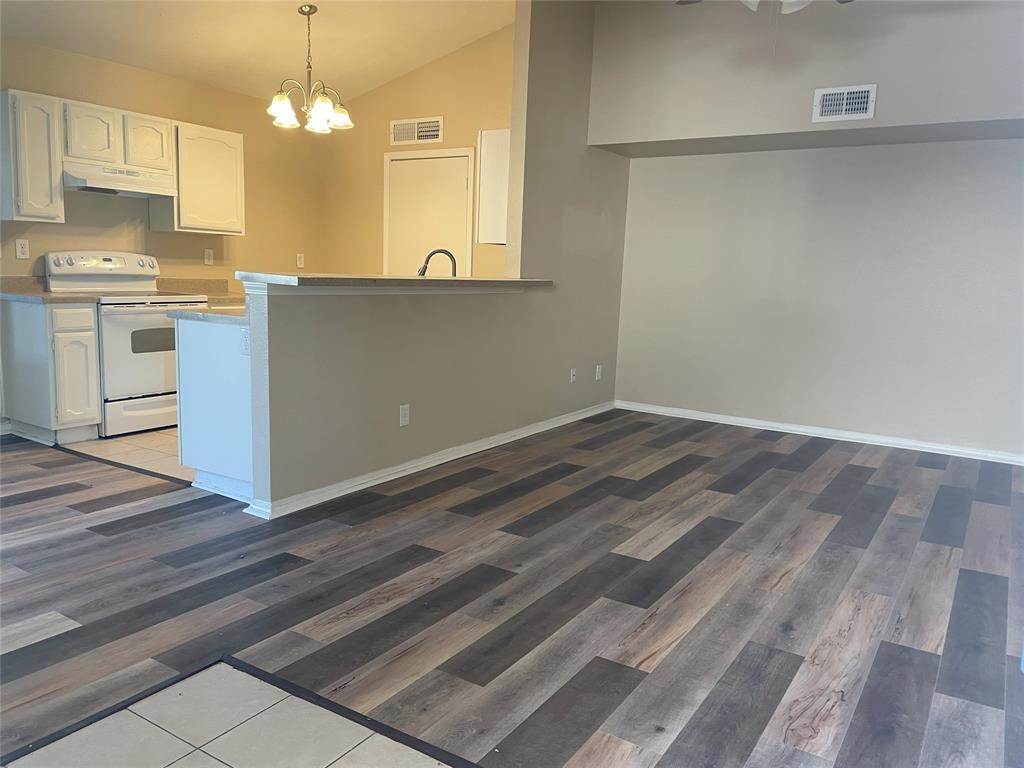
point(76, 377)
point(51, 382)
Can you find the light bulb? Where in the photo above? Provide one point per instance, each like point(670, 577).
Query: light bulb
point(280, 106)
point(321, 109)
point(340, 119)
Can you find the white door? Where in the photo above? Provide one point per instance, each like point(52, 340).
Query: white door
point(147, 142)
point(92, 133)
point(76, 377)
point(427, 208)
point(211, 187)
point(39, 192)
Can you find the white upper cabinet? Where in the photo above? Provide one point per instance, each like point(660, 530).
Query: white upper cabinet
point(148, 142)
point(31, 154)
point(211, 181)
point(92, 133)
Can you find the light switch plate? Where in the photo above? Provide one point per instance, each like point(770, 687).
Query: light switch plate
point(300, 260)
point(208, 256)
point(403, 415)
point(21, 249)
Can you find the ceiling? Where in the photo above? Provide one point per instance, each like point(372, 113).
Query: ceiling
point(249, 47)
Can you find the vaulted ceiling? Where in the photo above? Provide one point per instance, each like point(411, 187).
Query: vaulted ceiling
point(249, 47)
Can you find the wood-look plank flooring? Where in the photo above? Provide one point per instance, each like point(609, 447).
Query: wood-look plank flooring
point(626, 591)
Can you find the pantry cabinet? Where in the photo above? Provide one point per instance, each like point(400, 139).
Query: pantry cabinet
point(30, 153)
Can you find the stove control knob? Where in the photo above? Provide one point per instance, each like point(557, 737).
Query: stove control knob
point(57, 261)
point(71, 261)
point(142, 262)
point(152, 264)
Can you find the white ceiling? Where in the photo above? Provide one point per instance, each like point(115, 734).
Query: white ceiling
point(249, 47)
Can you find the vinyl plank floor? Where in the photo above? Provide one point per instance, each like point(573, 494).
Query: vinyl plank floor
point(621, 591)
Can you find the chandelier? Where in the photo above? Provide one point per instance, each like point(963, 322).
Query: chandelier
point(323, 114)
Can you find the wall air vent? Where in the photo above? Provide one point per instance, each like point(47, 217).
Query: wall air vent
point(417, 130)
point(849, 102)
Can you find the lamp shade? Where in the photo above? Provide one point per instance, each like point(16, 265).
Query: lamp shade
point(317, 126)
point(280, 105)
point(340, 119)
point(321, 109)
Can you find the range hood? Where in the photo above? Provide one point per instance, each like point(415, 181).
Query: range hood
point(113, 179)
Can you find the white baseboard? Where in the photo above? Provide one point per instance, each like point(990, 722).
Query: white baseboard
point(836, 434)
point(278, 507)
point(239, 490)
point(5, 426)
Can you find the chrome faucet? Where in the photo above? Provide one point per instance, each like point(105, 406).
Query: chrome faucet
point(426, 261)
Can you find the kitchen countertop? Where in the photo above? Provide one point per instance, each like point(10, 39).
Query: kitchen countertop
point(212, 315)
point(385, 283)
point(36, 294)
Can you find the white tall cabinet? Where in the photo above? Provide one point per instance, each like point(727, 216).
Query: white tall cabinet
point(31, 151)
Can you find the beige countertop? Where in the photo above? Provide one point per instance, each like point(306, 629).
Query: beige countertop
point(390, 283)
point(212, 315)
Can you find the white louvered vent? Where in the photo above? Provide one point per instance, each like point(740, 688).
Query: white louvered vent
point(417, 130)
point(848, 102)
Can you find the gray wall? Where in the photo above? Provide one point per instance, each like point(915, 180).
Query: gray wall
point(873, 289)
point(470, 366)
point(663, 71)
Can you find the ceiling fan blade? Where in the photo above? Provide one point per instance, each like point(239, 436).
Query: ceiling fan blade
point(751, 4)
point(687, 2)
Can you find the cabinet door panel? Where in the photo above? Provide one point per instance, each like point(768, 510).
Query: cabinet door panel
point(211, 187)
point(92, 133)
point(147, 142)
point(76, 378)
point(37, 157)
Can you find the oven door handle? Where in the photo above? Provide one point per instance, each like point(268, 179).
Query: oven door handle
point(144, 309)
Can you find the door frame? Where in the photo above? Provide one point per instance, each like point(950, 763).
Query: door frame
point(428, 154)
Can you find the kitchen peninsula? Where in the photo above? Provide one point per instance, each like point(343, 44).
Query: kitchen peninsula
point(298, 399)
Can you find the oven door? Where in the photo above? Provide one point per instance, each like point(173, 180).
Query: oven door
point(137, 349)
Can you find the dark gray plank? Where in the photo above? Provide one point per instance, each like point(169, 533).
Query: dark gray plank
point(863, 516)
point(1014, 737)
point(973, 658)
point(688, 432)
point(889, 722)
point(947, 519)
point(289, 612)
point(726, 726)
point(563, 723)
point(562, 508)
point(660, 479)
point(419, 705)
point(612, 435)
point(655, 577)
point(124, 497)
point(365, 512)
point(808, 453)
point(995, 482)
point(163, 514)
point(746, 473)
point(797, 618)
point(514, 490)
point(932, 460)
point(30, 658)
point(769, 435)
point(49, 492)
point(601, 418)
point(503, 646)
point(346, 654)
point(839, 493)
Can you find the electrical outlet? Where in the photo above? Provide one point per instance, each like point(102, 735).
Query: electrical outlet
point(300, 260)
point(597, 372)
point(403, 415)
point(246, 349)
point(208, 256)
point(21, 249)
point(572, 375)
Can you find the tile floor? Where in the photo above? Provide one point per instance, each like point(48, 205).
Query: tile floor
point(156, 451)
point(224, 717)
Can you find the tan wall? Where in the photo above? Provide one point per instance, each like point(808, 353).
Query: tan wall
point(663, 71)
point(283, 185)
point(470, 366)
point(872, 289)
point(471, 87)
